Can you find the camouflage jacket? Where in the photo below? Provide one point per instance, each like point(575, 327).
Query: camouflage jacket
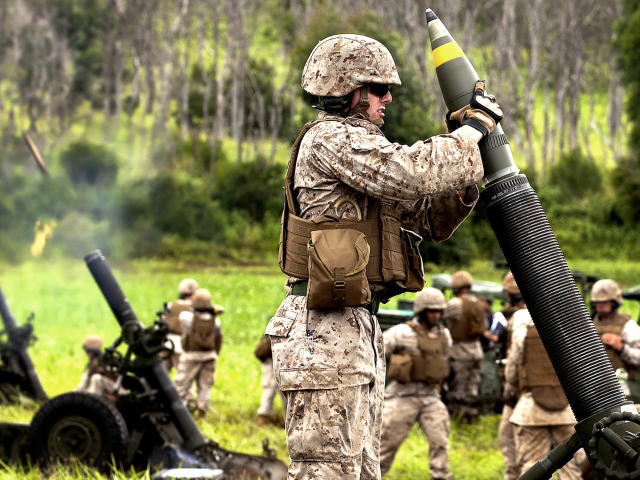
point(403, 338)
point(630, 336)
point(351, 158)
point(527, 412)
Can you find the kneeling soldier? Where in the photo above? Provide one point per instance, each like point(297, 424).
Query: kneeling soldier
point(201, 344)
point(95, 379)
point(419, 351)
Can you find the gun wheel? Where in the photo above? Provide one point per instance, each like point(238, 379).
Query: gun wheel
point(78, 427)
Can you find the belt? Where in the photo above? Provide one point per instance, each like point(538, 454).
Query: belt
point(300, 288)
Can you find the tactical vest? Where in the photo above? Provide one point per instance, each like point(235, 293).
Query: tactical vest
point(508, 312)
point(536, 374)
point(615, 326)
point(430, 365)
point(470, 326)
point(394, 259)
point(203, 334)
point(175, 308)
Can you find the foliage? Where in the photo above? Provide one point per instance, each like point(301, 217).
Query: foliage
point(90, 163)
point(575, 175)
point(627, 43)
point(626, 181)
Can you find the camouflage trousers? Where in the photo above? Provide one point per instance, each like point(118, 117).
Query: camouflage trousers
point(172, 361)
point(400, 413)
point(334, 433)
point(200, 371)
point(101, 385)
point(463, 389)
point(169, 363)
point(269, 389)
point(534, 443)
point(506, 440)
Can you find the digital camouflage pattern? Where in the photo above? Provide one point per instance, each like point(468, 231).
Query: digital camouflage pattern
point(338, 368)
point(429, 299)
point(407, 403)
point(198, 366)
point(269, 389)
point(606, 290)
point(341, 63)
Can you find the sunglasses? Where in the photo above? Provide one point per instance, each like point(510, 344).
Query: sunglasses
point(378, 89)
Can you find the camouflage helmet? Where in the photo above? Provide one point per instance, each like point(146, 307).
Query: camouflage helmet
point(187, 286)
point(201, 300)
point(92, 342)
point(341, 63)
point(509, 284)
point(605, 290)
point(461, 279)
point(429, 299)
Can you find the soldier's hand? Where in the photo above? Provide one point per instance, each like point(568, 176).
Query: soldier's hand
point(613, 340)
point(483, 112)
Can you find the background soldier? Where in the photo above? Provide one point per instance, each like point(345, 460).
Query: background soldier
point(95, 379)
point(490, 386)
point(506, 430)
point(542, 416)
point(201, 344)
point(619, 333)
point(186, 288)
point(464, 316)
point(329, 362)
point(418, 367)
point(268, 384)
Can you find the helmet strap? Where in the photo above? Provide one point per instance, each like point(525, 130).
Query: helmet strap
point(360, 110)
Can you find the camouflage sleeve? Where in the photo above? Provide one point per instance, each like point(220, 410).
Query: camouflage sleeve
point(435, 218)
point(84, 382)
point(452, 312)
point(391, 340)
point(373, 165)
point(630, 336)
point(449, 341)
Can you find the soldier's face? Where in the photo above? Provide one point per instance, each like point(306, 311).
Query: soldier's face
point(377, 104)
point(430, 317)
point(604, 308)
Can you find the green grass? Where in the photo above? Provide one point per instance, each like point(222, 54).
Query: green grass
point(68, 306)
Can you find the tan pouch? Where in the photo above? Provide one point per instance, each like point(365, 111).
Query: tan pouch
point(413, 261)
point(400, 366)
point(263, 350)
point(337, 262)
point(550, 397)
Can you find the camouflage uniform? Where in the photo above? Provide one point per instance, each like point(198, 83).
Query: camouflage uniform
point(466, 363)
point(338, 370)
point(172, 361)
point(537, 430)
point(95, 381)
point(197, 365)
point(406, 403)
point(269, 389)
point(506, 430)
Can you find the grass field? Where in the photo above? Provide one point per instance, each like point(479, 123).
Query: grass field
point(68, 305)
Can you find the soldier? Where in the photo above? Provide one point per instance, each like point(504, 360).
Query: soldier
point(268, 384)
point(542, 416)
point(494, 323)
point(464, 316)
point(186, 288)
point(506, 434)
point(329, 362)
point(619, 333)
point(418, 351)
point(95, 379)
point(201, 344)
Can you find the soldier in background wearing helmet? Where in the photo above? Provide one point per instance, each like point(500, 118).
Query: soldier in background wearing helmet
point(542, 417)
point(186, 288)
point(95, 379)
point(506, 430)
point(201, 344)
point(418, 351)
point(464, 316)
point(329, 363)
point(619, 333)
